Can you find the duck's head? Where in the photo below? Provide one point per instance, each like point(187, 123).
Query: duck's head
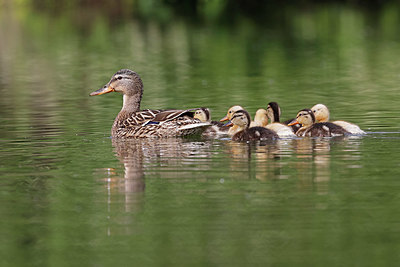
point(305, 117)
point(202, 114)
point(240, 118)
point(261, 117)
point(123, 81)
point(273, 111)
point(321, 112)
point(230, 112)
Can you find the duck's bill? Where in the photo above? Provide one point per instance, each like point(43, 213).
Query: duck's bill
point(224, 119)
point(228, 124)
point(293, 123)
point(104, 90)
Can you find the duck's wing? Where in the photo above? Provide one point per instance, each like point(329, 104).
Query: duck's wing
point(149, 116)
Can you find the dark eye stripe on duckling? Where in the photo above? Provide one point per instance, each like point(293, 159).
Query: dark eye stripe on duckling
point(241, 113)
point(308, 111)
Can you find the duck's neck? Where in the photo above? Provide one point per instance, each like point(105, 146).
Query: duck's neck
point(131, 104)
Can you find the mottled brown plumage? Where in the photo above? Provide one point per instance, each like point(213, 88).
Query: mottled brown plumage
point(131, 122)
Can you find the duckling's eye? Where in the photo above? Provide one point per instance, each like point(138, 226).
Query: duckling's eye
point(230, 111)
point(314, 110)
point(119, 77)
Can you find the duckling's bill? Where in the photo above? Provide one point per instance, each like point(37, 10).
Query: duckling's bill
point(224, 119)
point(104, 90)
point(293, 123)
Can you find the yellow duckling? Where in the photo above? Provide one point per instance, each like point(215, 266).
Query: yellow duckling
point(216, 128)
point(241, 119)
point(306, 118)
point(234, 129)
point(321, 113)
point(274, 114)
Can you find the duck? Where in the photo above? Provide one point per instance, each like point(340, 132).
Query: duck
point(216, 128)
point(241, 119)
point(132, 122)
point(306, 119)
point(273, 113)
point(321, 113)
point(233, 128)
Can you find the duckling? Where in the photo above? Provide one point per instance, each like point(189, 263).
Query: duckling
point(321, 113)
point(234, 128)
point(260, 119)
point(216, 128)
point(274, 114)
point(241, 119)
point(306, 118)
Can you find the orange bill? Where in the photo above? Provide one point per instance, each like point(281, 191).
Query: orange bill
point(224, 119)
point(228, 124)
point(104, 90)
point(293, 123)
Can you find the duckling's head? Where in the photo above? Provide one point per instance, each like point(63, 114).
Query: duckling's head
point(124, 81)
point(202, 114)
point(273, 111)
point(241, 118)
point(321, 112)
point(261, 117)
point(305, 117)
point(231, 110)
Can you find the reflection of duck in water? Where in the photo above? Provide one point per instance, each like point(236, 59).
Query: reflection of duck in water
point(216, 128)
point(133, 122)
point(306, 118)
point(241, 119)
point(321, 113)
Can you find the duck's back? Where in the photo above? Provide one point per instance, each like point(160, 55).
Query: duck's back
point(157, 123)
point(281, 130)
point(254, 134)
point(323, 129)
point(350, 127)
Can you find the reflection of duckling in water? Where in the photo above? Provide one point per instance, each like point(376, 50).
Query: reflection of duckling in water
point(216, 128)
point(241, 119)
point(321, 113)
point(234, 128)
point(306, 118)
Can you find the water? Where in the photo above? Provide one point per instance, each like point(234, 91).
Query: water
point(70, 195)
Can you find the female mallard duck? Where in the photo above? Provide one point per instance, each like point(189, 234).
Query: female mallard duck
point(216, 128)
point(241, 119)
point(234, 128)
point(274, 114)
point(321, 113)
point(135, 123)
point(306, 118)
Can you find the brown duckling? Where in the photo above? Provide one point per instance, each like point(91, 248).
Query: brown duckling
point(241, 119)
point(321, 113)
point(306, 118)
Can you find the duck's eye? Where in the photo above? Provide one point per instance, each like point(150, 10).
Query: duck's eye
point(314, 110)
point(119, 77)
point(230, 111)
